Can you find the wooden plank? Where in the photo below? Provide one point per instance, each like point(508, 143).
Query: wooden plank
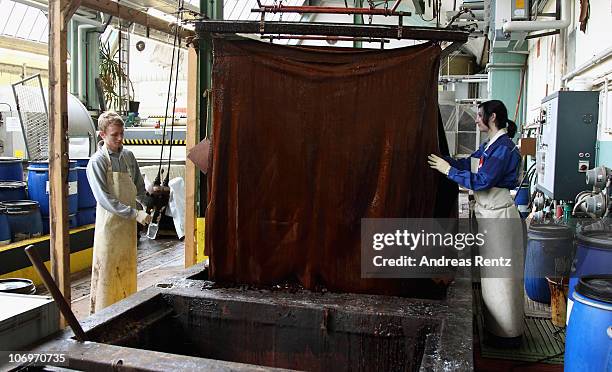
point(133, 15)
point(58, 147)
point(191, 172)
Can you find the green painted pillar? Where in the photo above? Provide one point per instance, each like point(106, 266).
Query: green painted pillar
point(72, 52)
point(93, 68)
point(505, 71)
point(214, 10)
point(358, 20)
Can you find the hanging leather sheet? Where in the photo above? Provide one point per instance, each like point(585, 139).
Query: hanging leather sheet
point(306, 142)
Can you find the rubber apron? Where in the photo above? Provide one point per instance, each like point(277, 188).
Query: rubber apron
point(502, 287)
point(114, 254)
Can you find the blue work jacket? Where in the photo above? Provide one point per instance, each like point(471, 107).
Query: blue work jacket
point(498, 167)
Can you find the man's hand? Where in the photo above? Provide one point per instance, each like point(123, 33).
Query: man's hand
point(143, 218)
point(438, 164)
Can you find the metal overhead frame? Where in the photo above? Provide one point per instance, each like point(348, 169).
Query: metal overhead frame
point(204, 27)
point(280, 8)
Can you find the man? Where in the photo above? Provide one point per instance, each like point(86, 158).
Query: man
point(116, 182)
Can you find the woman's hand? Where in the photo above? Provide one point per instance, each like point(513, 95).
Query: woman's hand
point(438, 164)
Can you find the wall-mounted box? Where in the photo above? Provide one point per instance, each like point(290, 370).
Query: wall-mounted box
point(566, 144)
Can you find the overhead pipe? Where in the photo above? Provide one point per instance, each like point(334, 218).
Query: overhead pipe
point(526, 26)
point(327, 10)
point(335, 38)
point(476, 5)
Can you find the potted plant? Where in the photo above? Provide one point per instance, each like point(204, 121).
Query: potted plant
point(110, 75)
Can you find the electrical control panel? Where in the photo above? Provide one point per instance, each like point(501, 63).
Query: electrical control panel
point(565, 147)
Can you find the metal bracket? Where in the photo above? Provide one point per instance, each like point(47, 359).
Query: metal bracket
point(400, 20)
point(262, 22)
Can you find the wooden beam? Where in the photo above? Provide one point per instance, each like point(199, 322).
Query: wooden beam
point(191, 172)
point(22, 45)
point(68, 12)
point(58, 146)
point(130, 14)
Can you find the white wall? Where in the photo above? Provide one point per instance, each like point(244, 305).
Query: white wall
point(548, 61)
point(150, 71)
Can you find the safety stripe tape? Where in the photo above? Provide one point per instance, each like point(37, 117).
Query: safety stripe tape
point(151, 142)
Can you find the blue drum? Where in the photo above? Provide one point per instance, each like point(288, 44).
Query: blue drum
point(11, 169)
point(593, 257)
point(549, 253)
point(588, 342)
point(72, 223)
point(5, 230)
point(13, 190)
point(86, 197)
point(38, 186)
point(24, 219)
point(86, 216)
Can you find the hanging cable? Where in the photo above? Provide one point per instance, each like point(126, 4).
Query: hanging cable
point(161, 155)
point(178, 55)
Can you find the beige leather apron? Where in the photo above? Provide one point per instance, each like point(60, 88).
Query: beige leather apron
point(114, 254)
point(502, 288)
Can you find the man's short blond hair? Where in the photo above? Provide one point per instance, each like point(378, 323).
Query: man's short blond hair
point(107, 118)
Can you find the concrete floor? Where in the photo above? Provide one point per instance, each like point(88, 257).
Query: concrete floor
point(157, 260)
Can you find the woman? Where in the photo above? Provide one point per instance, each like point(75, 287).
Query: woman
point(491, 172)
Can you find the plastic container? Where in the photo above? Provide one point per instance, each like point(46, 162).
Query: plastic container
point(11, 169)
point(38, 186)
point(17, 285)
point(24, 219)
point(588, 341)
point(593, 257)
point(86, 196)
point(558, 299)
point(13, 190)
point(72, 223)
point(549, 253)
point(5, 229)
point(86, 216)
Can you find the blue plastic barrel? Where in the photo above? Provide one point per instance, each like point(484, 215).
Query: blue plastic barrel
point(549, 253)
point(593, 257)
point(5, 230)
point(13, 190)
point(72, 223)
point(11, 169)
point(521, 200)
point(38, 186)
point(86, 197)
point(86, 216)
point(588, 342)
point(24, 219)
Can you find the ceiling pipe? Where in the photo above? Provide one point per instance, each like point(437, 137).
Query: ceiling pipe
point(526, 26)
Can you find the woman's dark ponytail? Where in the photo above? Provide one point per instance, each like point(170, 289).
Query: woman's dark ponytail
point(498, 108)
point(511, 128)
